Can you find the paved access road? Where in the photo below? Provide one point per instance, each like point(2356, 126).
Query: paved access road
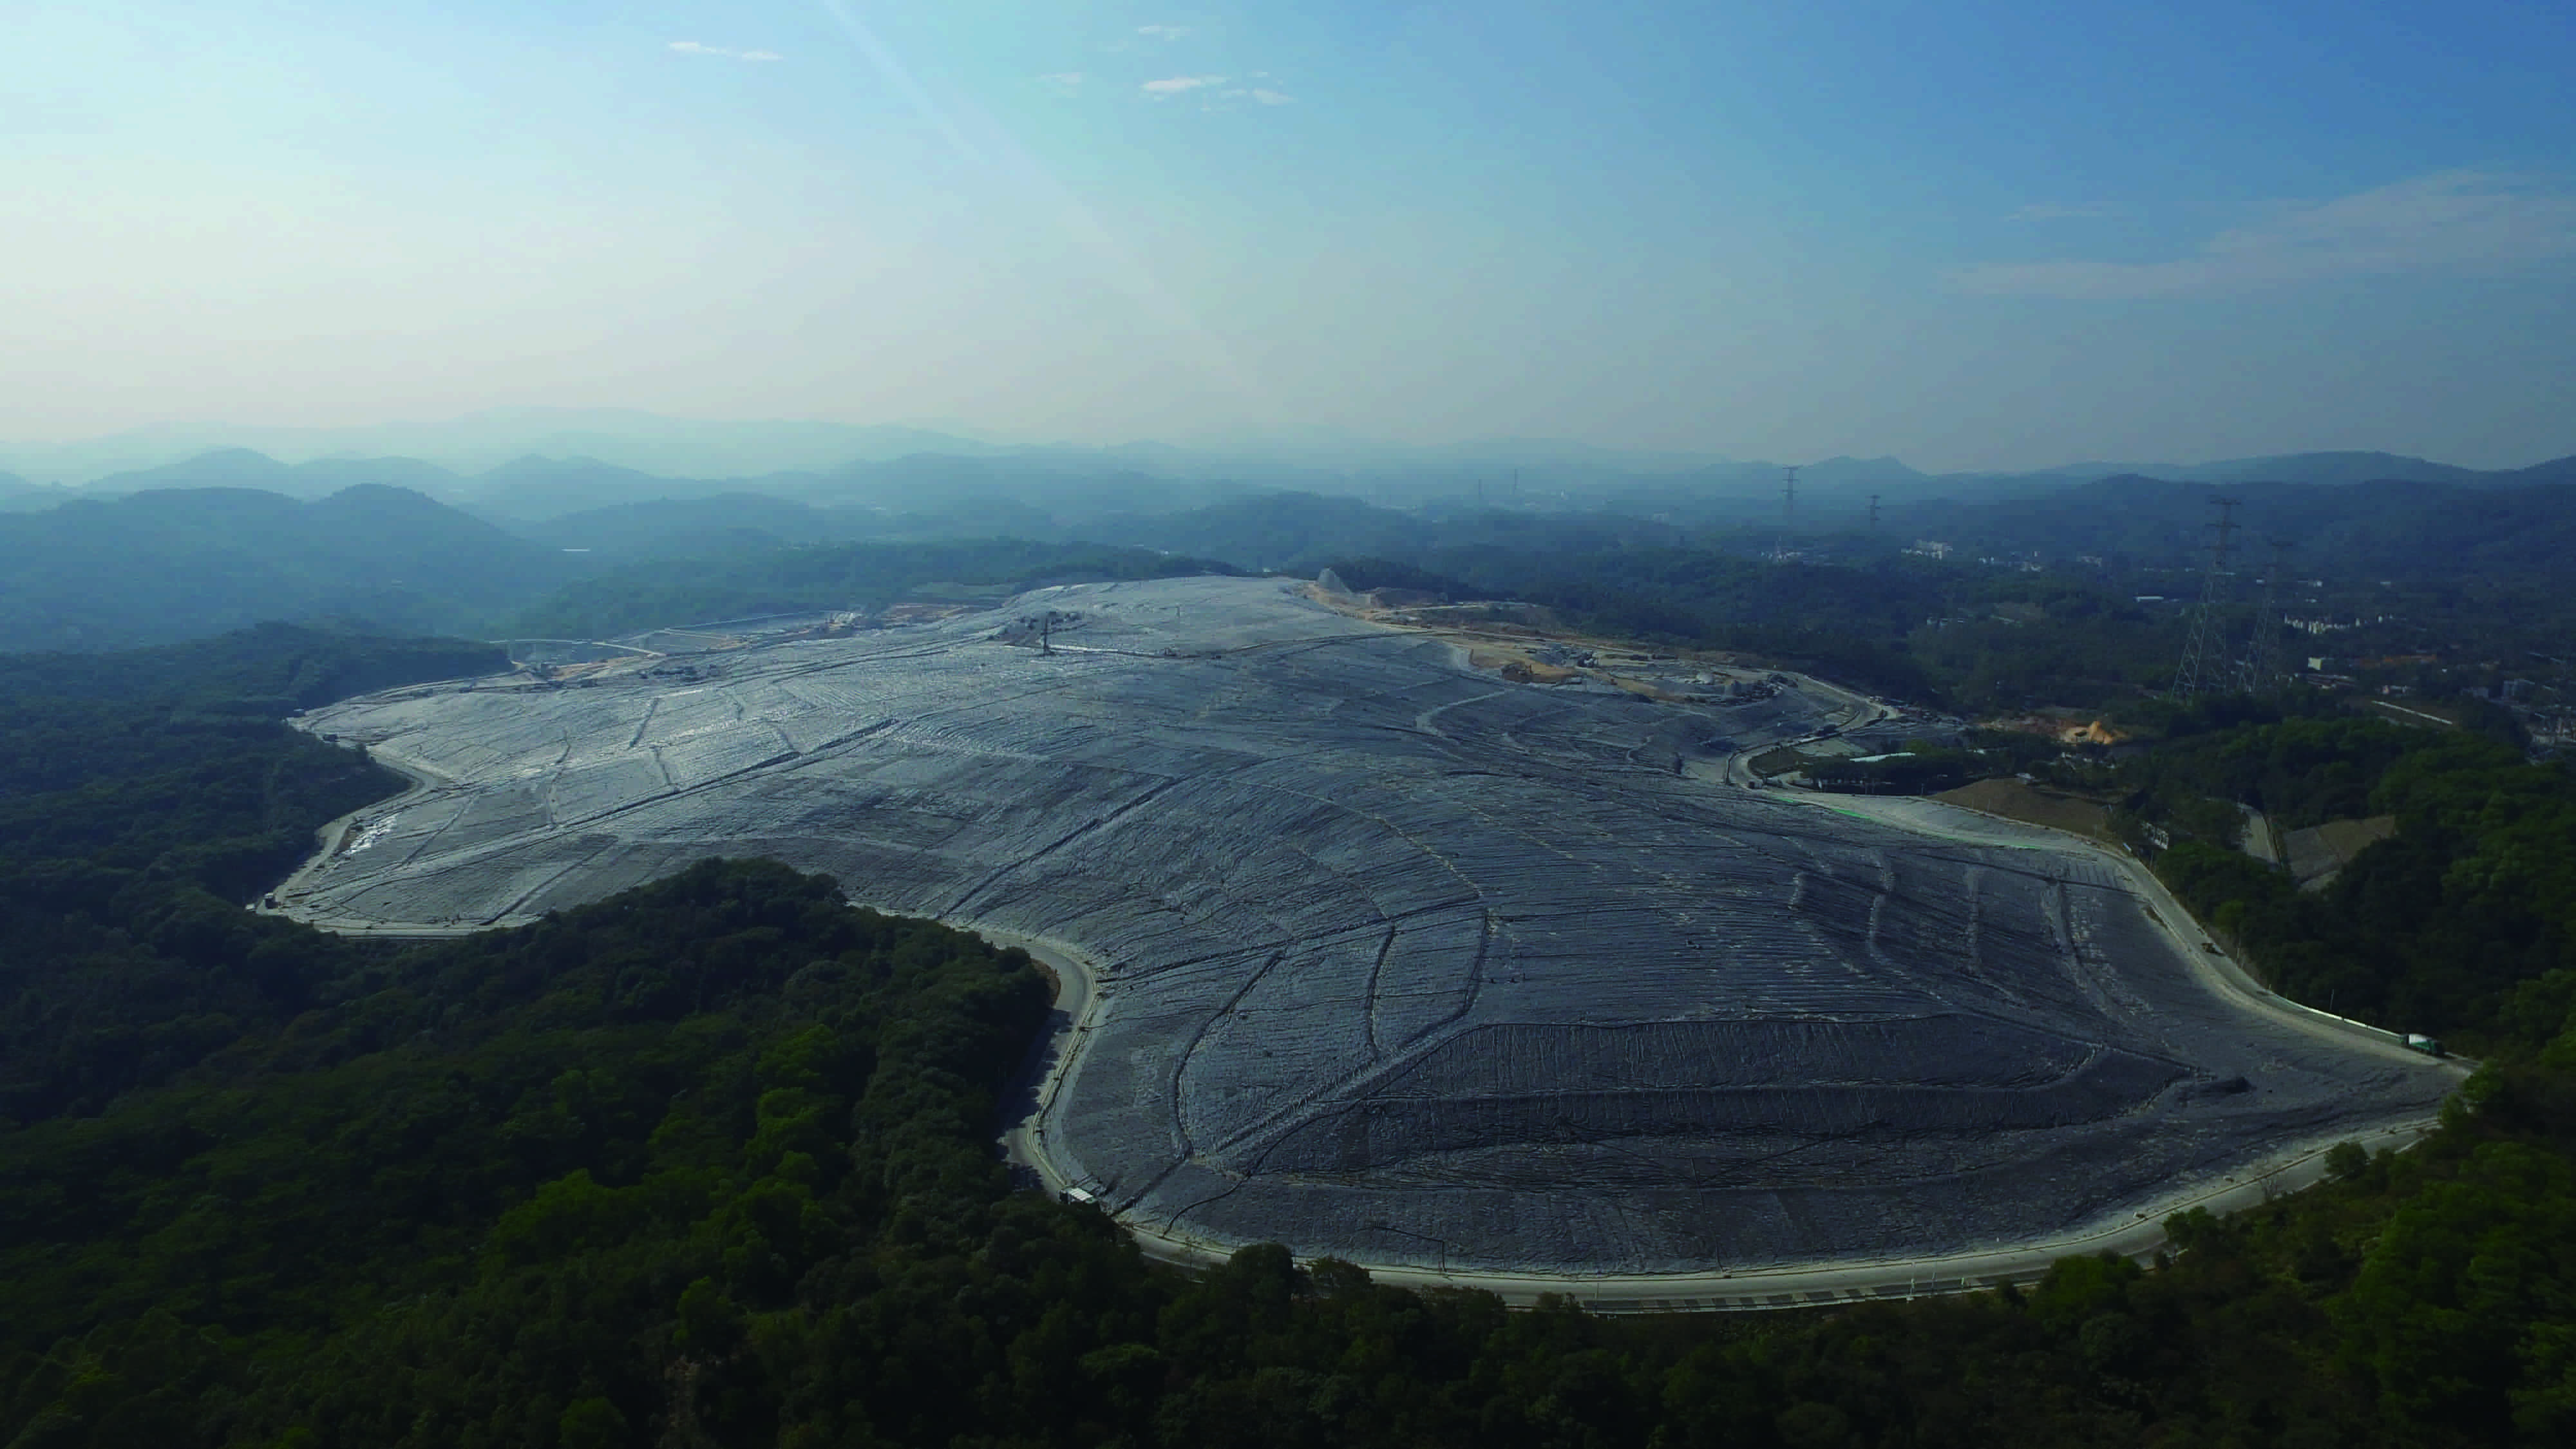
point(2139, 1236)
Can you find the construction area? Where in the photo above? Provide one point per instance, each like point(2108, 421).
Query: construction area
point(1394, 957)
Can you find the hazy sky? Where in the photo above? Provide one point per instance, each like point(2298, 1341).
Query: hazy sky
point(1972, 233)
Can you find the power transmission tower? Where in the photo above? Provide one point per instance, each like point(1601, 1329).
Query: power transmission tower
point(2205, 667)
point(1788, 512)
point(2263, 651)
point(1873, 513)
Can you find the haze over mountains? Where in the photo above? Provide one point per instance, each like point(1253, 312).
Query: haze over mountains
point(482, 456)
point(169, 564)
point(233, 536)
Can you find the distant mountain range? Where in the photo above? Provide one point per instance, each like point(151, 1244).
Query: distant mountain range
point(1012, 488)
point(478, 441)
point(164, 565)
point(457, 458)
point(2399, 528)
point(226, 540)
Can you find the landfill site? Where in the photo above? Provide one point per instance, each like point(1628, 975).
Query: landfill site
point(1390, 954)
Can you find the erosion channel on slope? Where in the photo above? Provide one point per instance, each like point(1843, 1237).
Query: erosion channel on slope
point(1393, 959)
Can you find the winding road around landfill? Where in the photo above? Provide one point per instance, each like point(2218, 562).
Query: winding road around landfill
point(2139, 1236)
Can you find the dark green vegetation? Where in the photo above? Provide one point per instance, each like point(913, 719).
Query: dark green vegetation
point(2036, 603)
point(2462, 925)
point(526, 1187)
point(2380, 529)
point(844, 576)
point(182, 564)
point(143, 796)
point(710, 1163)
point(1922, 768)
point(268, 669)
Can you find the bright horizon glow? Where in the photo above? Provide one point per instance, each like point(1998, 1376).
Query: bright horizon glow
point(2003, 235)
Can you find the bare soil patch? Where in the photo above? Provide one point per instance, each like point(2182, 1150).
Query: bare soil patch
point(2034, 805)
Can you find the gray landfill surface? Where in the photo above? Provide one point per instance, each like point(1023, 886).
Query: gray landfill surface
point(1399, 961)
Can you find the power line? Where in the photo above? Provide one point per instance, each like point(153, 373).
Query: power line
point(2262, 668)
point(2205, 665)
point(1788, 511)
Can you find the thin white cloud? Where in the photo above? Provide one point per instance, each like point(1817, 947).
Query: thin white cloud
point(2452, 220)
point(1163, 32)
point(1063, 82)
point(1179, 85)
point(1273, 98)
point(691, 47)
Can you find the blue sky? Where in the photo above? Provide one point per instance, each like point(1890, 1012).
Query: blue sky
point(1973, 234)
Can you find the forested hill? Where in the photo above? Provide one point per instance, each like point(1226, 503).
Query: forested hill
point(271, 667)
point(171, 564)
point(2408, 530)
point(179, 564)
point(711, 1163)
point(143, 797)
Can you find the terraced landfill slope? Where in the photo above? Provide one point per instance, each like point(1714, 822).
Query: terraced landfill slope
point(1399, 961)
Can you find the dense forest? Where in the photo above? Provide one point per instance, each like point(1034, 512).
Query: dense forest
point(711, 1163)
point(2407, 530)
point(2463, 922)
point(143, 796)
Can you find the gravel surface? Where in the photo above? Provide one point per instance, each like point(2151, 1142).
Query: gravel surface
point(1400, 961)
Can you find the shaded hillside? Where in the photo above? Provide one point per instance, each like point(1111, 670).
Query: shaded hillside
point(272, 667)
point(243, 468)
point(534, 487)
point(2395, 529)
point(670, 528)
point(684, 527)
point(2326, 468)
point(162, 566)
point(1300, 532)
point(17, 495)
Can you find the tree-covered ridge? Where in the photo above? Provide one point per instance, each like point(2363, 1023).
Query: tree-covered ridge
point(711, 1162)
point(2462, 925)
point(143, 797)
point(675, 1102)
point(176, 564)
point(269, 667)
